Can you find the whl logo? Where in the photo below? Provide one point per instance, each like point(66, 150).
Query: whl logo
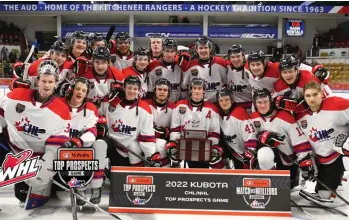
point(25, 126)
point(17, 168)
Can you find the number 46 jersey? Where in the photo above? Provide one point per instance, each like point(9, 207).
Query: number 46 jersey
point(284, 123)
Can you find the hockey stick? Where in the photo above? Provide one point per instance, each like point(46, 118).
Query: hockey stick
point(300, 208)
point(144, 160)
point(26, 64)
point(73, 204)
point(82, 198)
point(110, 33)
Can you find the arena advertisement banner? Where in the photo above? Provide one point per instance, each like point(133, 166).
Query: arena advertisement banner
point(294, 28)
point(168, 31)
point(68, 30)
point(200, 191)
point(243, 32)
point(176, 7)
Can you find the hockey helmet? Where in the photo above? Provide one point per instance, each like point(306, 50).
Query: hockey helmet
point(78, 35)
point(197, 82)
point(132, 80)
point(263, 93)
point(224, 92)
point(163, 82)
point(48, 67)
point(82, 80)
point(288, 62)
point(203, 40)
point(170, 43)
point(122, 36)
point(256, 56)
point(236, 48)
point(97, 37)
point(101, 53)
point(60, 47)
point(141, 51)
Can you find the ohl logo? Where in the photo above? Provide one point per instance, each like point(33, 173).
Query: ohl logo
point(212, 86)
point(120, 127)
point(24, 125)
point(317, 135)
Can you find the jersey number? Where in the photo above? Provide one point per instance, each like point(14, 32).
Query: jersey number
point(300, 132)
point(248, 130)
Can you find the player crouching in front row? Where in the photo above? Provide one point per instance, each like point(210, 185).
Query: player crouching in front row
point(282, 143)
point(194, 119)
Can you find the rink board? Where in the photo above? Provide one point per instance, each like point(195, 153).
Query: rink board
point(200, 191)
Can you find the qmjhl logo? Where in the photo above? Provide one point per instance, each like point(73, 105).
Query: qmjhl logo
point(17, 168)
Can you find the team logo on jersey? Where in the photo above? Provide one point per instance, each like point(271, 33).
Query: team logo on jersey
point(76, 167)
point(212, 86)
point(319, 135)
point(28, 128)
point(257, 124)
point(182, 110)
point(111, 108)
point(20, 108)
point(174, 87)
point(230, 138)
point(194, 72)
point(139, 189)
point(19, 167)
point(304, 124)
point(158, 72)
point(121, 128)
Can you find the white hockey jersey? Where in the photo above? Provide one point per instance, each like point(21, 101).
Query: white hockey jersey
point(33, 125)
point(238, 82)
point(282, 89)
point(162, 115)
point(173, 74)
point(187, 117)
point(322, 127)
point(83, 122)
point(214, 73)
point(123, 62)
point(238, 130)
point(129, 123)
point(284, 123)
point(130, 71)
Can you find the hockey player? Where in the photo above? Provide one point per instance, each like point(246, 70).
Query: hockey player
point(78, 44)
point(36, 120)
point(155, 47)
point(102, 76)
point(289, 88)
point(168, 67)
point(123, 55)
point(139, 69)
point(284, 139)
point(58, 53)
point(321, 123)
point(196, 114)
point(237, 131)
point(261, 74)
point(210, 68)
point(97, 40)
point(237, 77)
point(162, 110)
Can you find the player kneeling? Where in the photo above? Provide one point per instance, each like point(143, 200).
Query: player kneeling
point(162, 110)
point(192, 120)
point(281, 140)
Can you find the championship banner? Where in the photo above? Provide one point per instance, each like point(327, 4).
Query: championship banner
point(200, 191)
point(243, 32)
point(168, 31)
point(176, 8)
point(68, 30)
point(294, 28)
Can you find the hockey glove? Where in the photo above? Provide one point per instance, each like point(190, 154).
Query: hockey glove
point(116, 91)
point(272, 139)
point(285, 103)
point(340, 144)
point(301, 106)
point(172, 151)
point(161, 132)
point(80, 66)
point(73, 143)
point(18, 70)
point(250, 157)
point(321, 73)
point(155, 159)
point(307, 167)
point(19, 83)
point(102, 127)
point(216, 157)
point(183, 59)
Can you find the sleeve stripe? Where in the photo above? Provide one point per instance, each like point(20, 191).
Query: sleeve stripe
point(56, 140)
point(303, 147)
point(54, 143)
point(251, 144)
point(177, 129)
point(143, 138)
point(213, 134)
point(2, 112)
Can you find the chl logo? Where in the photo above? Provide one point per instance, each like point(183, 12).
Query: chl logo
point(230, 138)
point(25, 126)
point(237, 88)
point(212, 86)
point(318, 135)
point(174, 86)
point(120, 127)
